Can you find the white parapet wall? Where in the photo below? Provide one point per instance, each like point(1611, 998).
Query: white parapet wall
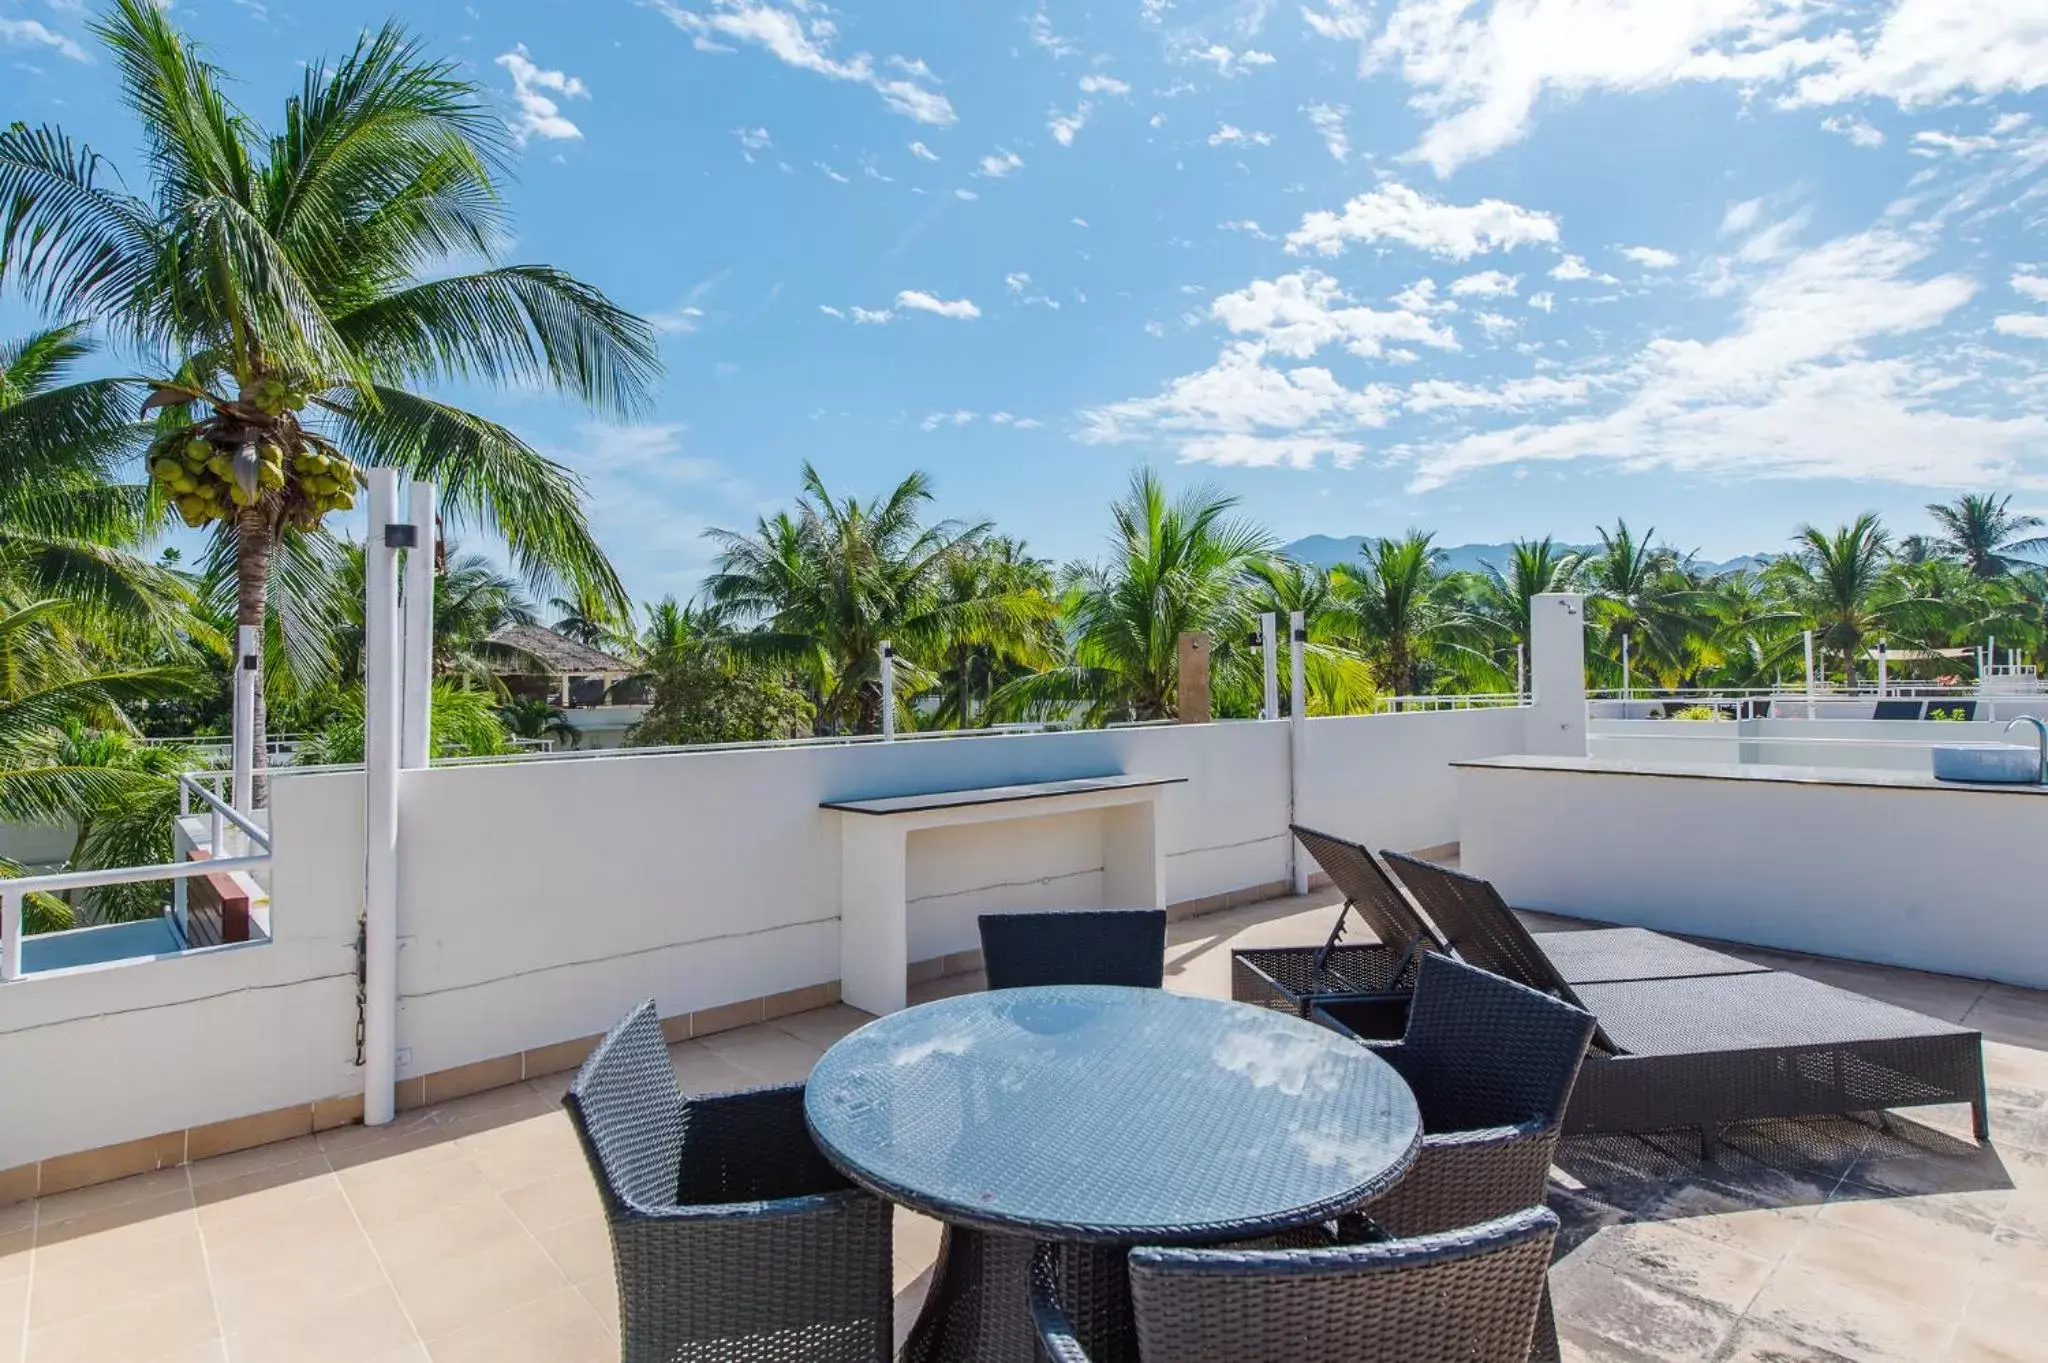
point(1874, 866)
point(539, 900)
point(106, 1054)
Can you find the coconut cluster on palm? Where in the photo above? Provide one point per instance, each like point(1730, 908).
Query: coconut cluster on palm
point(251, 453)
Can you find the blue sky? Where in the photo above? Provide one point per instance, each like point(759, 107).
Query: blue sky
point(1719, 266)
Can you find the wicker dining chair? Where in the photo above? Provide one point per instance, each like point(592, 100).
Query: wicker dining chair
point(734, 1240)
point(1465, 1296)
point(1094, 946)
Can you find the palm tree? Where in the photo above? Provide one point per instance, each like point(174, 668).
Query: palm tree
point(826, 587)
point(284, 274)
point(1176, 566)
point(1840, 584)
point(998, 566)
point(1339, 681)
point(1395, 604)
point(1978, 529)
point(1504, 590)
point(1639, 592)
point(68, 530)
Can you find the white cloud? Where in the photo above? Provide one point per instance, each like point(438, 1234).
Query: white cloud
point(2031, 325)
point(1026, 423)
point(1928, 51)
point(922, 152)
point(1298, 314)
point(1479, 73)
point(1497, 326)
point(2032, 286)
point(1485, 284)
point(960, 309)
point(1807, 384)
point(966, 194)
point(1543, 302)
point(872, 316)
point(1016, 281)
point(1394, 212)
point(832, 174)
point(1230, 135)
point(1248, 226)
point(676, 320)
point(1650, 257)
point(29, 33)
point(1741, 217)
point(1859, 132)
point(1572, 268)
point(1421, 297)
point(1227, 62)
point(1430, 395)
point(1064, 126)
point(800, 35)
point(1343, 20)
point(1078, 222)
point(1928, 142)
point(933, 420)
point(539, 115)
point(1328, 120)
point(1103, 85)
point(1042, 35)
point(1000, 163)
point(830, 311)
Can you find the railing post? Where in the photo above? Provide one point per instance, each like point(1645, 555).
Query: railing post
point(381, 719)
point(1269, 626)
point(10, 934)
point(416, 741)
point(1297, 741)
point(247, 662)
point(1809, 674)
point(888, 693)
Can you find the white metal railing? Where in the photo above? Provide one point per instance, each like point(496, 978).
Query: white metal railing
point(13, 892)
point(1474, 700)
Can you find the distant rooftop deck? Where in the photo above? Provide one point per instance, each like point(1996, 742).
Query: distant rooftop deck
point(470, 1229)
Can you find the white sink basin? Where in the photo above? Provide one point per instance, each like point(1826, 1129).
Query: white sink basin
point(2001, 763)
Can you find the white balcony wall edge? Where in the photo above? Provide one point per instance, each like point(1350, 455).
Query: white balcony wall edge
point(538, 901)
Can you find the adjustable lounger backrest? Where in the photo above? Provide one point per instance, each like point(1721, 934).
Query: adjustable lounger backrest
point(1381, 901)
point(1478, 925)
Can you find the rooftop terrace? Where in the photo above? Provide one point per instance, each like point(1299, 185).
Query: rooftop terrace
point(470, 1230)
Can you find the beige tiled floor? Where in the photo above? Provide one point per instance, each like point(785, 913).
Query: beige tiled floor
point(471, 1230)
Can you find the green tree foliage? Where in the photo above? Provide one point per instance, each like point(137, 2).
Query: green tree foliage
point(705, 692)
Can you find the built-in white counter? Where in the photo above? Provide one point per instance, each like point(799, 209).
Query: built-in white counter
point(1886, 866)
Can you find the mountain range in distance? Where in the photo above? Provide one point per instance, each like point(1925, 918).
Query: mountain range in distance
point(1326, 551)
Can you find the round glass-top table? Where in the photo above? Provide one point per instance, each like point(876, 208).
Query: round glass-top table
point(1103, 1117)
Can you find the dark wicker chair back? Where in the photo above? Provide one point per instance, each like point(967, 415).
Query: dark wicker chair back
point(1466, 1296)
point(1479, 926)
point(1381, 901)
point(1481, 1051)
point(733, 1241)
point(1107, 946)
point(628, 1112)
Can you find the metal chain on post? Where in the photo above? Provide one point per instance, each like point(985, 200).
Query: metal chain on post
point(362, 987)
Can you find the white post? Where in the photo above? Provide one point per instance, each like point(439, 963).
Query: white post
point(381, 717)
point(1556, 724)
point(1297, 739)
point(1884, 671)
point(1625, 692)
point(888, 693)
point(416, 739)
point(1809, 674)
point(1269, 626)
point(1521, 673)
point(10, 934)
point(248, 661)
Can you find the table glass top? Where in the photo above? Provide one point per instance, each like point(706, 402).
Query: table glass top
point(1112, 1114)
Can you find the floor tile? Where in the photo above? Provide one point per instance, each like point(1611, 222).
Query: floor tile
point(363, 1325)
point(139, 1331)
point(1822, 1312)
point(558, 1327)
point(454, 1294)
point(2007, 1323)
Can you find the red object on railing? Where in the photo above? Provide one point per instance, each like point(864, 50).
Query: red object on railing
point(216, 907)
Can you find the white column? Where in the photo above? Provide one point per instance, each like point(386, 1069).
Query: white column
point(1134, 856)
point(1297, 740)
point(1556, 725)
point(888, 663)
point(874, 918)
point(1521, 672)
point(248, 664)
point(1809, 673)
point(416, 738)
point(1884, 674)
point(10, 934)
point(381, 715)
point(1624, 673)
point(1269, 626)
